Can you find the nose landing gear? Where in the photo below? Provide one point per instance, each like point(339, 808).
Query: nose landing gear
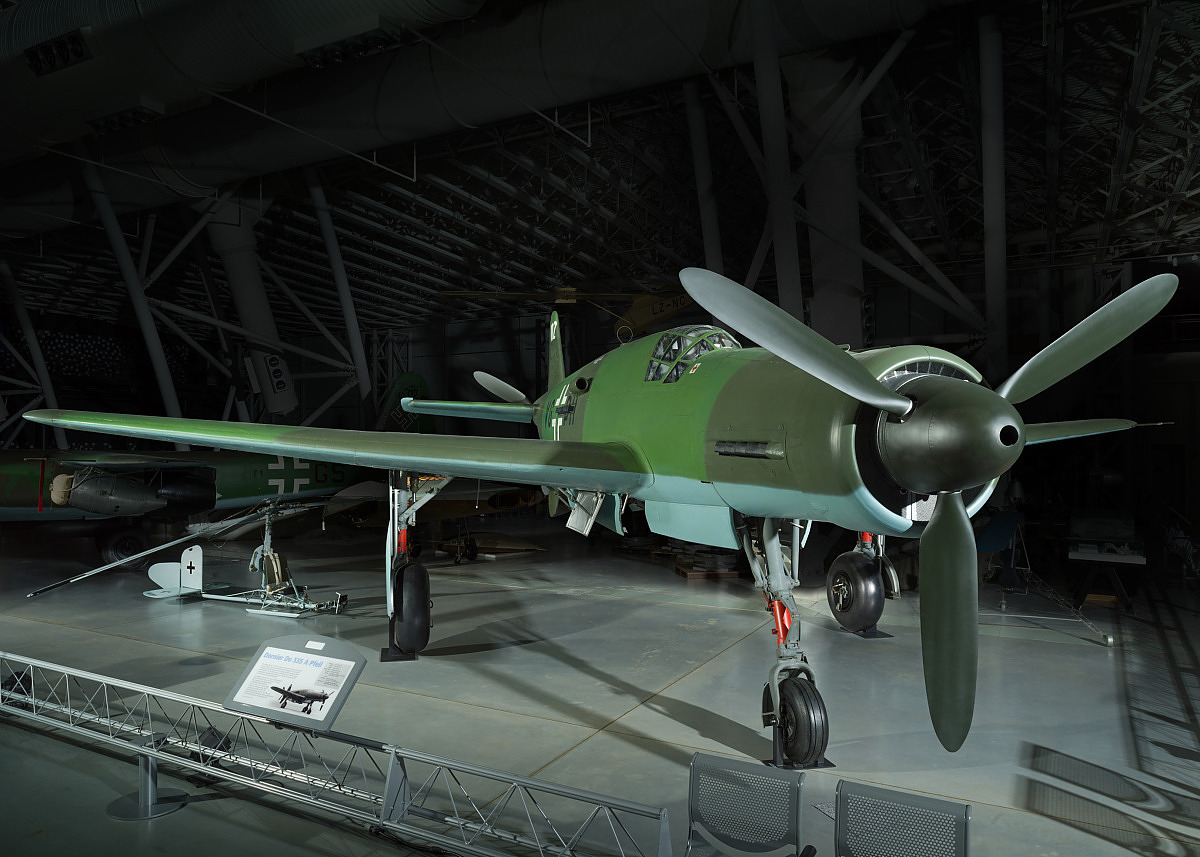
point(792, 706)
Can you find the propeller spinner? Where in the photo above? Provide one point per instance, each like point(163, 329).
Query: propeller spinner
point(942, 435)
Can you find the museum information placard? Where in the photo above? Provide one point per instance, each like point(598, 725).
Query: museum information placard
point(302, 680)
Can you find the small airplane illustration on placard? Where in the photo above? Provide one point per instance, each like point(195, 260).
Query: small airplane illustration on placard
point(305, 698)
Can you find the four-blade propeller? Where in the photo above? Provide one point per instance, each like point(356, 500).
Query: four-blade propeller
point(946, 435)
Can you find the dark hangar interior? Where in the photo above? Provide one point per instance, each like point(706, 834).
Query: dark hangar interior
point(297, 214)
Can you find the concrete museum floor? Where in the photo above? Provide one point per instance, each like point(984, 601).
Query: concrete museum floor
point(603, 670)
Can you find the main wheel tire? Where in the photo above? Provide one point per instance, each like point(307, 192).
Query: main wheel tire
point(118, 545)
point(803, 721)
point(854, 589)
point(410, 601)
point(471, 549)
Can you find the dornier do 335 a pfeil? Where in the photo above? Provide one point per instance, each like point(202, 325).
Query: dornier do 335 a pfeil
point(722, 445)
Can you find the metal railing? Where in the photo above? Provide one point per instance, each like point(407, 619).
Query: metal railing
point(426, 800)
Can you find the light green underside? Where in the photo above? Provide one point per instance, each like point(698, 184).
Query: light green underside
point(601, 467)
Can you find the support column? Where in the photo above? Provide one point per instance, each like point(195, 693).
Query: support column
point(137, 296)
point(231, 232)
point(349, 315)
point(35, 349)
point(775, 155)
point(710, 227)
point(818, 87)
point(995, 240)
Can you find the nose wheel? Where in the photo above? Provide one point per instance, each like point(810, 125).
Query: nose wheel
point(801, 729)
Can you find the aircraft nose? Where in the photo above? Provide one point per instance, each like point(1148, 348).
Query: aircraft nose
point(958, 435)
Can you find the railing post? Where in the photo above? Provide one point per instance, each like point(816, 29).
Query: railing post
point(396, 795)
point(149, 801)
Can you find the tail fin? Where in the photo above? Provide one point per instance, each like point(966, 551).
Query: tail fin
point(554, 358)
point(555, 373)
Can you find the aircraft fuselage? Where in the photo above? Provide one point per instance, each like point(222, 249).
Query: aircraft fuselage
point(739, 428)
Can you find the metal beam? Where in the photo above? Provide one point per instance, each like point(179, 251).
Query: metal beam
point(1139, 82)
point(353, 334)
point(184, 242)
point(42, 373)
point(710, 227)
point(776, 157)
point(137, 296)
point(995, 230)
point(924, 261)
point(249, 335)
point(876, 261)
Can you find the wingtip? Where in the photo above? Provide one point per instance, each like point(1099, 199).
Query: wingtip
point(45, 415)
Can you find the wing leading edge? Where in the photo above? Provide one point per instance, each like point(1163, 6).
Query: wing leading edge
point(607, 467)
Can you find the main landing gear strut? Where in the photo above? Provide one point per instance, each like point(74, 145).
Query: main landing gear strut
point(791, 703)
point(409, 607)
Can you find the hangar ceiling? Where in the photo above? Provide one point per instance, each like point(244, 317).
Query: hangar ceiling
point(596, 200)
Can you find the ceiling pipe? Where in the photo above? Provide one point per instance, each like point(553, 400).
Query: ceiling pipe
point(553, 53)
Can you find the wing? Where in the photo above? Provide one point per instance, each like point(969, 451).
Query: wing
point(607, 467)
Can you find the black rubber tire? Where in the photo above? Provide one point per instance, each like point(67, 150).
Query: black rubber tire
point(410, 600)
point(803, 721)
point(854, 589)
point(471, 550)
point(116, 545)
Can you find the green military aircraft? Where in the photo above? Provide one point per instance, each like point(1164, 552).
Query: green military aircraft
point(721, 444)
point(118, 497)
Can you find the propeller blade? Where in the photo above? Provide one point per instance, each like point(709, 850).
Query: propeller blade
point(1087, 340)
point(949, 619)
point(1046, 432)
point(501, 389)
point(788, 338)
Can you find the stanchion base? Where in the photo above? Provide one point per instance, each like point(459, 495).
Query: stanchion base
point(130, 807)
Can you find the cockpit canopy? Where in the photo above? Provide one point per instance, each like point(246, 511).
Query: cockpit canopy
point(677, 350)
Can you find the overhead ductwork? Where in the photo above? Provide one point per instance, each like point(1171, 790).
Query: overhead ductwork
point(68, 68)
point(553, 53)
